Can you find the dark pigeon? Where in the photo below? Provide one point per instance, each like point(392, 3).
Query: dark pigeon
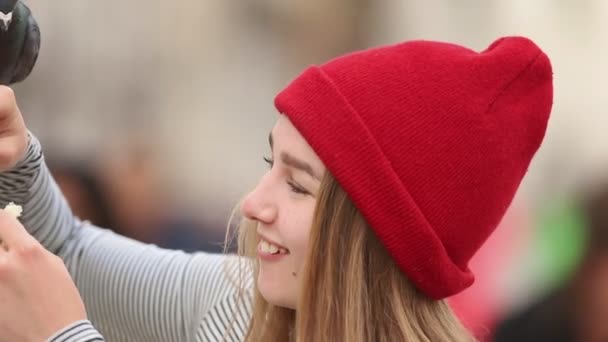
point(19, 41)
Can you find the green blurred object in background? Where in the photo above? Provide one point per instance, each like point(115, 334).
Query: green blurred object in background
point(560, 240)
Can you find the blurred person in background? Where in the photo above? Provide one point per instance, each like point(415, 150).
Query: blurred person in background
point(577, 310)
point(84, 192)
point(389, 168)
point(120, 192)
point(129, 175)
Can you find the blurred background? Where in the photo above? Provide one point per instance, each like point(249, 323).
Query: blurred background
point(154, 118)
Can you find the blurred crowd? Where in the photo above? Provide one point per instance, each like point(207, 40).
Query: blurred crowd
point(121, 191)
point(154, 116)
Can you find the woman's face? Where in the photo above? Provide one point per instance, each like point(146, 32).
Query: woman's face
point(283, 204)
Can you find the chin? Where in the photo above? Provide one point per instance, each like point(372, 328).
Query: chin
point(276, 291)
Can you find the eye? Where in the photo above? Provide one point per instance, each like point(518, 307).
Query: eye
point(297, 189)
point(269, 161)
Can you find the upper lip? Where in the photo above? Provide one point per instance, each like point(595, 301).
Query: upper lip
point(265, 238)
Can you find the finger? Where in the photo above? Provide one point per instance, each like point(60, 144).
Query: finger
point(3, 247)
point(11, 151)
point(12, 232)
point(7, 98)
point(12, 126)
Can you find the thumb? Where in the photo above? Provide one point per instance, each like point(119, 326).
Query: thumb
point(13, 133)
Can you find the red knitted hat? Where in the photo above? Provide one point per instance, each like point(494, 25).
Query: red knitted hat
point(430, 140)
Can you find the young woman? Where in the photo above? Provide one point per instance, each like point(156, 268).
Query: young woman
point(389, 168)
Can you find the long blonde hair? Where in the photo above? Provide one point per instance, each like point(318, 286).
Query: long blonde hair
point(352, 289)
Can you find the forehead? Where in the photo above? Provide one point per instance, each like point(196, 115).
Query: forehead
point(286, 138)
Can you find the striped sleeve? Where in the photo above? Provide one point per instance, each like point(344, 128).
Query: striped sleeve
point(81, 331)
point(132, 291)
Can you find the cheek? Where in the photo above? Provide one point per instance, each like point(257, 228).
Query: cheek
point(298, 236)
point(276, 281)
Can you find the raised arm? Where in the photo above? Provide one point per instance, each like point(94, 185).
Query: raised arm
point(132, 291)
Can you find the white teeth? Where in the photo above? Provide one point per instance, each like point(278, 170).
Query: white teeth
point(267, 247)
point(273, 249)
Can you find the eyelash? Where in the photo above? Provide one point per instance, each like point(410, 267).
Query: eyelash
point(294, 188)
point(269, 161)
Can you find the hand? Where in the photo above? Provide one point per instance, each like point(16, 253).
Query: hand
point(13, 133)
point(37, 295)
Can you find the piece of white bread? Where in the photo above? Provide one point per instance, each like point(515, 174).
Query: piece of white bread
point(13, 209)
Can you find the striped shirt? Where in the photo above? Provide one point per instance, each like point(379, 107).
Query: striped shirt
point(132, 291)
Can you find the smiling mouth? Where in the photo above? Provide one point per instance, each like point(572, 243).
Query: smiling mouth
point(270, 248)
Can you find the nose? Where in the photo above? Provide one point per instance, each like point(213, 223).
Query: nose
point(259, 205)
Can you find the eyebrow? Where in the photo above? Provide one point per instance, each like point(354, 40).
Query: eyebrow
point(295, 162)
